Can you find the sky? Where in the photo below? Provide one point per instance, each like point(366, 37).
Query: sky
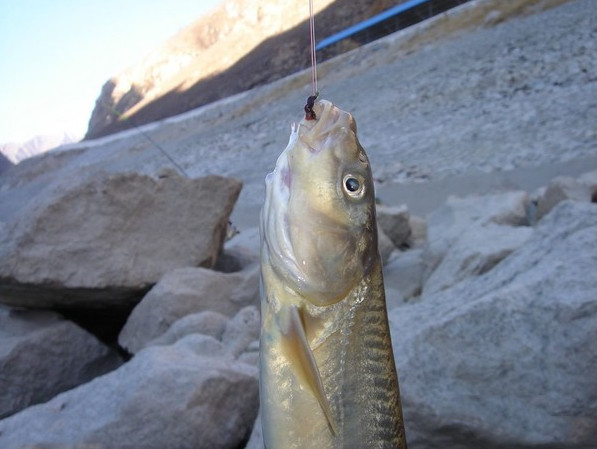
point(55, 56)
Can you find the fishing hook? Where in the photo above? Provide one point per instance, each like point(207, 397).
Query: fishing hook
point(309, 112)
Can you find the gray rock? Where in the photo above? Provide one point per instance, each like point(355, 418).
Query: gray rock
point(447, 223)
point(203, 345)
point(105, 241)
point(251, 354)
point(475, 252)
point(385, 245)
point(236, 257)
point(42, 354)
point(217, 334)
point(394, 298)
point(247, 240)
point(404, 272)
point(418, 227)
point(186, 291)
point(508, 359)
point(256, 439)
point(207, 323)
point(165, 397)
point(241, 331)
point(394, 220)
point(214, 335)
point(590, 180)
point(560, 189)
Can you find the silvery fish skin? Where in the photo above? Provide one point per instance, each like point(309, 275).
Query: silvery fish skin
point(328, 377)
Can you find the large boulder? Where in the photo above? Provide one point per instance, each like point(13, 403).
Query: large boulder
point(447, 223)
point(385, 246)
point(395, 223)
point(507, 359)
point(187, 291)
point(404, 272)
point(589, 180)
point(560, 189)
point(106, 241)
point(188, 395)
point(475, 252)
point(211, 324)
point(233, 335)
point(256, 439)
point(42, 354)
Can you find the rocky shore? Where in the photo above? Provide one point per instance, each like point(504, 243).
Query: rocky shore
point(484, 150)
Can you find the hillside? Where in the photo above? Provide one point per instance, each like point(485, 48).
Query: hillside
point(240, 45)
point(507, 97)
point(5, 163)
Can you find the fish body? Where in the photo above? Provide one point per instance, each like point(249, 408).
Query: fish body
point(327, 372)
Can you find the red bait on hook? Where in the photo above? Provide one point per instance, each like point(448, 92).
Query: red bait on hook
point(309, 112)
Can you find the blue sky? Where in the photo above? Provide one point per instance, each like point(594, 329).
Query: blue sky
point(55, 55)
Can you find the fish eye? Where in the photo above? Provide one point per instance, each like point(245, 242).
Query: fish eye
point(353, 186)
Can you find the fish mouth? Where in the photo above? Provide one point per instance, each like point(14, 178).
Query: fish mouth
point(330, 119)
point(314, 135)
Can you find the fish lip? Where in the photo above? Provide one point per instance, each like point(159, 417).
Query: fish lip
point(314, 133)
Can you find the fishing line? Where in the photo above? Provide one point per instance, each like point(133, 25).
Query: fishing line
point(313, 56)
point(309, 113)
point(153, 142)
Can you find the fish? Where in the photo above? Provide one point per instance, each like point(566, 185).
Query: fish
point(328, 376)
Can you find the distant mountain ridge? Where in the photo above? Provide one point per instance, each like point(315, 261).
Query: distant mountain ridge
point(15, 152)
point(4, 163)
point(239, 45)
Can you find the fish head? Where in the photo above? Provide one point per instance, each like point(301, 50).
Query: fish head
point(318, 221)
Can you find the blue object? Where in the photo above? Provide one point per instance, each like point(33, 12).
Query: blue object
point(369, 22)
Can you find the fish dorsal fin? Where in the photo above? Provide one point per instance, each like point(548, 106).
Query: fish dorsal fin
point(304, 360)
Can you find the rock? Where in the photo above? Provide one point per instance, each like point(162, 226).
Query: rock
point(251, 354)
point(165, 397)
point(385, 245)
point(418, 234)
point(247, 240)
point(186, 291)
point(394, 221)
point(241, 331)
point(235, 258)
point(394, 298)
point(204, 345)
point(560, 189)
point(207, 323)
point(404, 272)
point(42, 354)
point(217, 334)
point(508, 359)
point(256, 439)
point(452, 219)
point(590, 180)
point(105, 241)
point(475, 252)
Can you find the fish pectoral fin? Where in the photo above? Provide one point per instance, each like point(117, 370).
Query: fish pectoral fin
point(302, 356)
